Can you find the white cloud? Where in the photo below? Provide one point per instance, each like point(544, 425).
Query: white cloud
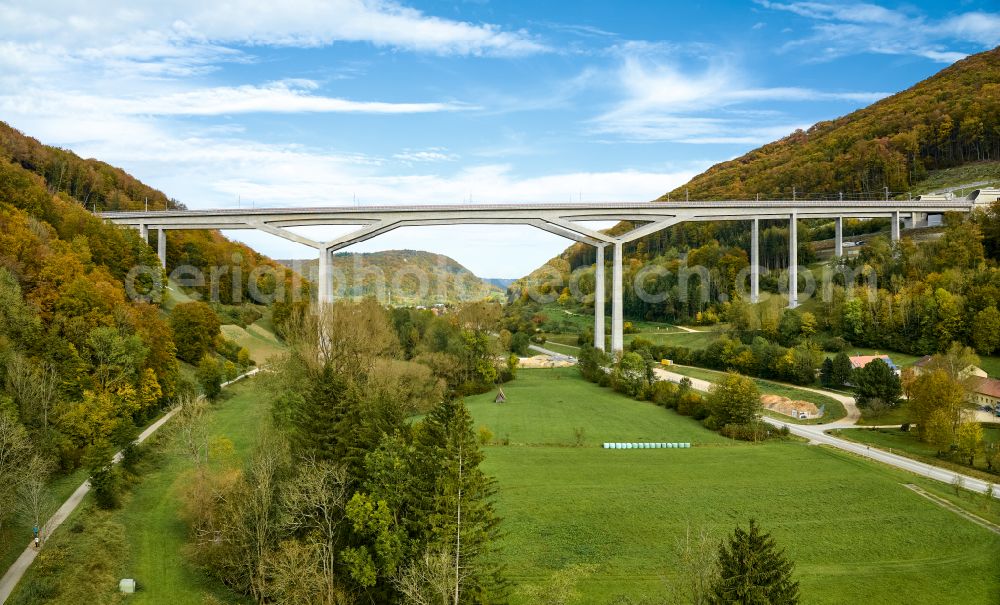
point(189, 36)
point(841, 29)
point(290, 96)
point(662, 103)
point(432, 154)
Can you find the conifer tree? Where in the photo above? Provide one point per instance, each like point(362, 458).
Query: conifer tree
point(826, 373)
point(458, 516)
point(316, 416)
point(841, 369)
point(753, 570)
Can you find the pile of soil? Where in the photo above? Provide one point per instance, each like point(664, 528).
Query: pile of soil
point(542, 361)
point(789, 407)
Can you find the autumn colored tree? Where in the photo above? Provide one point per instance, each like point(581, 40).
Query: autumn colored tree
point(936, 403)
point(195, 326)
point(735, 399)
point(986, 330)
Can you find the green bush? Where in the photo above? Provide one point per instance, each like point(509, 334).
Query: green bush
point(105, 482)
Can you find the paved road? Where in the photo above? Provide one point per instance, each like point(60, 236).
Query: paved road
point(23, 562)
point(553, 354)
point(816, 433)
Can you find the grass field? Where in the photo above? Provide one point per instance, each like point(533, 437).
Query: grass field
point(857, 535)
point(905, 442)
point(897, 415)
point(834, 409)
point(975, 172)
point(258, 339)
point(17, 535)
point(144, 539)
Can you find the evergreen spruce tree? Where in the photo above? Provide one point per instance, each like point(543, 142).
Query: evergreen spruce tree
point(454, 496)
point(841, 369)
point(316, 416)
point(826, 373)
point(753, 571)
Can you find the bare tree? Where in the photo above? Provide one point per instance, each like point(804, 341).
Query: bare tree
point(252, 523)
point(458, 523)
point(697, 559)
point(34, 499)
point(560, 589)
point(314, 503)
point(427, 580)
point(15, 453)
point(189, 426)
point(34, 387)
point(295, 577)
point(348, 336)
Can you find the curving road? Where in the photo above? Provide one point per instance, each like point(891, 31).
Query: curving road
point(816, 433)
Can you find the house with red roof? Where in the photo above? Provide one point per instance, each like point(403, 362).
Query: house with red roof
point(860, 361)
point(985, 391)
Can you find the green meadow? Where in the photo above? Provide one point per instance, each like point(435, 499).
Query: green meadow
point(856, 533)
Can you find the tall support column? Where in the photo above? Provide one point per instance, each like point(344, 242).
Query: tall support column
point(144, 233)
point(617, 325)
point(755, 261)
point(161, 247)
point(895, 226)
point(838, 238)
point(599, 299)
point(793, 261)
point(323, 278)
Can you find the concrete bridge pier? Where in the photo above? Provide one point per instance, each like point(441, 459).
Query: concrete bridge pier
point(793, 261)
point(161, 247)
point(599, 299)
point(895, 226)
point(323, 278)
point(617, 325)
point(755, 261)
point(838, 237)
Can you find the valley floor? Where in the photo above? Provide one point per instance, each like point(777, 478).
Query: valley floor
point(855, 531)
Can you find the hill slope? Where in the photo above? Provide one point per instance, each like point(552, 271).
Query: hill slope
point(59, 187)
point(414, 277)
point(949, 119)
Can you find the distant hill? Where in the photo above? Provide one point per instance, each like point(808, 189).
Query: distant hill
point(500, 282)
point(949, 119)
point(403, 277)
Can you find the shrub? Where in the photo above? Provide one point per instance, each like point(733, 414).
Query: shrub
point(209, 376)
point(664, 393)
point(485, 435)
point(689, 403)
point(105, 481)
point(751, 431)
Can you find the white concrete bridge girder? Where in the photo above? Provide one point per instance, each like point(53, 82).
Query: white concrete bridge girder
point(560, 219)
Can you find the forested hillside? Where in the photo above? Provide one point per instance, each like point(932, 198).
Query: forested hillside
point(951, 118)
point(929, 293)
point(403, 277)
point(82, 365)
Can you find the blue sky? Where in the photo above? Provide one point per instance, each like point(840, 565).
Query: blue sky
point(347, 102)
